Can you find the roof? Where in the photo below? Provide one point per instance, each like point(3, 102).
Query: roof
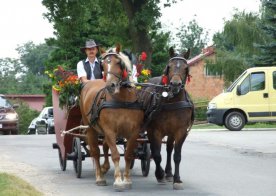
point(204, 53)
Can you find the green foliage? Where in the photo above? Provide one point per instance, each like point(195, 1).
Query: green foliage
point(34, 56)
point(267, 56)
point(24, 75)
point(160, 54)
point(235, 45)
point(26, 115)
point(192, 36)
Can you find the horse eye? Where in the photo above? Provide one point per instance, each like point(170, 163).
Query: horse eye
point(108, 60)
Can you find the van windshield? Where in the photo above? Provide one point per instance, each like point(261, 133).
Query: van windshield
point(4, 103)
point(232, 86)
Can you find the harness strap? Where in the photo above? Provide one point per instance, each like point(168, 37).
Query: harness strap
point(118, 105)
point(176, 106)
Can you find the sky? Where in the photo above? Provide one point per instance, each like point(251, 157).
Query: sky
point(22, 20)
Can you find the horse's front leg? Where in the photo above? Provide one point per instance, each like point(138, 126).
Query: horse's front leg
point(179, 140)
point(129, 156)
point(92, 137)
point(155, 146)
point(105, 166)
point(168, 169)
point(110, 139)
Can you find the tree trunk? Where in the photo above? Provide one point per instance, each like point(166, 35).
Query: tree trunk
point(139, 35)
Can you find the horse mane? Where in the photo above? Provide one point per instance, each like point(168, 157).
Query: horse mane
point(123, 56)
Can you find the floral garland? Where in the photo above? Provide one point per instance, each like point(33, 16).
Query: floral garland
point(67, 84)
point(143, 75)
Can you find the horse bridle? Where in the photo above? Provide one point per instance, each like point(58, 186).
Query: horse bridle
point(174, 74)
point(120, 77)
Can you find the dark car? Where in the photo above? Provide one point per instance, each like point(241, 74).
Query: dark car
point(8, 117)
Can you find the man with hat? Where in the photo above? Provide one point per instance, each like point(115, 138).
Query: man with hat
point(90, 68)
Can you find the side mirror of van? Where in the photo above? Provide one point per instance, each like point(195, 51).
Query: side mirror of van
point(239, 90)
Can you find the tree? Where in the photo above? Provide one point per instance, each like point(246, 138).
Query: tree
point(192, 36)
point(34, 56)
point(24, 75)
point(267, 56)
point(235, 45)
point(132, 23)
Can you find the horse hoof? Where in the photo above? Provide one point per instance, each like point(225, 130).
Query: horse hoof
point(178, 186)
point(128, 185)
point(119, 186)
point(101, 183)
point(161, 181)
point(169, 178)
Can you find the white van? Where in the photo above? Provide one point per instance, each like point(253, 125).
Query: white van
point(251, 98)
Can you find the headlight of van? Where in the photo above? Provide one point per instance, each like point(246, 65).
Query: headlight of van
point(11, 116)
point(212, 106)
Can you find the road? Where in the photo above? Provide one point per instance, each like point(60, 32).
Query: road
point(213, 163)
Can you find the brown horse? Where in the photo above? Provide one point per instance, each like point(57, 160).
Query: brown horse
point(173, 119)
point(103, 108)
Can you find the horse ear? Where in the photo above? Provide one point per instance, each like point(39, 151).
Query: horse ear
point(186, 55)
point(102, 50)
point(118, 48)
point(171, 52)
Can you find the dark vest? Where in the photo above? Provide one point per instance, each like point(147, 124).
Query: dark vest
point(97, 71)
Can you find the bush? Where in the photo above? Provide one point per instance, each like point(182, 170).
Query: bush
point(26, 115)
point(201, 109)
point(200, 113)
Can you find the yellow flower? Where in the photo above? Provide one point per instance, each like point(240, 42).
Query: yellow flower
point(138, 87)
point(51, 75)
point(46, 72)
point(56, 88)
point(145, 72)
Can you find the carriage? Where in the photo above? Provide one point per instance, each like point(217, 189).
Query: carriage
point(71, 142)
point(109, 110)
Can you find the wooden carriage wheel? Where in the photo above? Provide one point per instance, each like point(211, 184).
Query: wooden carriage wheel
point(77, 161)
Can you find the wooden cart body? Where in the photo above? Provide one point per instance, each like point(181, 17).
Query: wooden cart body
point(64, 120)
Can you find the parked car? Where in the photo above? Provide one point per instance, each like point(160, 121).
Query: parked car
point(8, 117)
point(251, 98)
point(44, 123)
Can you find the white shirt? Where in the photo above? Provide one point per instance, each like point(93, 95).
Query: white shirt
point(134, 72)
point(81, 71)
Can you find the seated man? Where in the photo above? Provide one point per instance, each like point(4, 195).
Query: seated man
point(90, 68)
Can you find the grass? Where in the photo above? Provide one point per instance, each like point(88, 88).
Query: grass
point(11, 185)
point(252, 125)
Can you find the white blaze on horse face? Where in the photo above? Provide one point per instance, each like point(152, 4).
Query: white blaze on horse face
point(178, 64)
point(108, 71)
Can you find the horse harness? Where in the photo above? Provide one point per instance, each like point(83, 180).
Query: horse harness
point(100, 103)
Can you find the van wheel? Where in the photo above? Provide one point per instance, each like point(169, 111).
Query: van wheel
point(234, 121)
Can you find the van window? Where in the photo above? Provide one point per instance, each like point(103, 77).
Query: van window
point(245, 85)
point(257, 81)
point(253, 82)
point(274, 80)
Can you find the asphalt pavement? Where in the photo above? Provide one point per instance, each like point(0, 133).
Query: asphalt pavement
point(214, 162)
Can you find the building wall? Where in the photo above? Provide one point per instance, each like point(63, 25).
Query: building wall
point(35, 102)
point(202, 86)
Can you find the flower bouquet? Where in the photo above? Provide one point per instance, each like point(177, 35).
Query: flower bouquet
point(142, 74)
point(66, 83)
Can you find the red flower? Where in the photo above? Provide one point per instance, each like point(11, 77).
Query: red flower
point(143, 56)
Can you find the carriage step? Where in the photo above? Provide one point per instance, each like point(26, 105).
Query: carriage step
point(55, 146)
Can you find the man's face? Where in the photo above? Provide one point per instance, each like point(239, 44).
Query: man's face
point(91, 52)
